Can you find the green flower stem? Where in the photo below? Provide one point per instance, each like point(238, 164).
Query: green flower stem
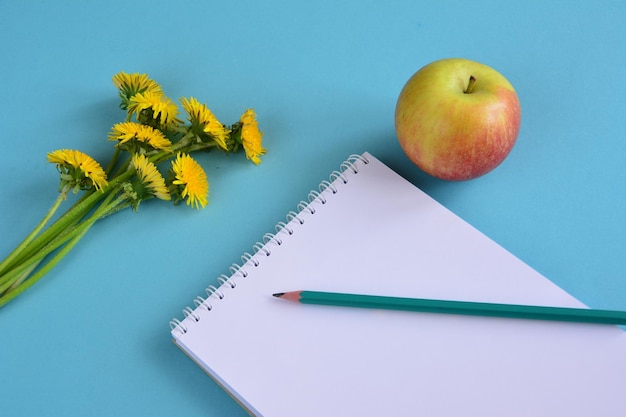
point(73, 215)
point(16, 269)
point(184, 141)
point(21, 283)
point(18, 273)
point(183, 147)
point(23, 277)
point(10, 295)
point(9, 278)
point(70, 217)
point(62, 197)
point(113, 161)
point(201, 147)
point(122, 169)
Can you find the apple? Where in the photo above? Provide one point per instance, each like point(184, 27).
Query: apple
point(457, 119)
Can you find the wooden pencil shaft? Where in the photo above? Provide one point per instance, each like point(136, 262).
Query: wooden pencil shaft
point(465, 308)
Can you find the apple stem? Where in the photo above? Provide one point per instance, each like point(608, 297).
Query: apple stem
point(470, 85)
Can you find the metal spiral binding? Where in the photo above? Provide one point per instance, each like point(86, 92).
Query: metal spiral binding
point(305, 205)
point(236, 269)
point(212, 289)
point(324, 185)
point(176, 324)
point(280, 226)
point(315, 195)
point(225, 280)
point(261, 249)
point(189, 312)
point(202, 302)
point(335, 175)
point(271, 237)
point(293, 215)
point(247, 257)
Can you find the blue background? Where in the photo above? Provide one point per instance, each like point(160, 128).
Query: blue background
point(92, 338)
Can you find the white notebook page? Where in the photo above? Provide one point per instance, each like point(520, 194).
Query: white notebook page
point(379, 234)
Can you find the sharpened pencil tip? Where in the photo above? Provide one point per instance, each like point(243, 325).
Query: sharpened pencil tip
point(289, 295)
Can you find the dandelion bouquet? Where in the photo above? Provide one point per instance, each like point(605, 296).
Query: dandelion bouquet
point(151, 134)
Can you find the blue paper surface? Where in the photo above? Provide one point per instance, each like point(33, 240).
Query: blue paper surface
point(92, 337)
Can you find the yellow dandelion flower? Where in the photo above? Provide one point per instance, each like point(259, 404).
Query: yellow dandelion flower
point(78, 170)
point(150, 177)
point(135, 83)
point(204, 123)
point(251, 136)
point(153, 109)
point(130, 131)
point(191, 179)
point(131, 84)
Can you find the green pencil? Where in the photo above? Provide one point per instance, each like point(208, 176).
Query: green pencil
point(457, 307)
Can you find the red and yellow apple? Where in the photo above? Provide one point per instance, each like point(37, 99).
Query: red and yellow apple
point(457, 119)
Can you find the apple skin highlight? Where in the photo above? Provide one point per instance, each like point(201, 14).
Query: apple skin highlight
point(453, 134)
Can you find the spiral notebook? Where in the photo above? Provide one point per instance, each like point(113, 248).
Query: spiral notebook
point(367, 230)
